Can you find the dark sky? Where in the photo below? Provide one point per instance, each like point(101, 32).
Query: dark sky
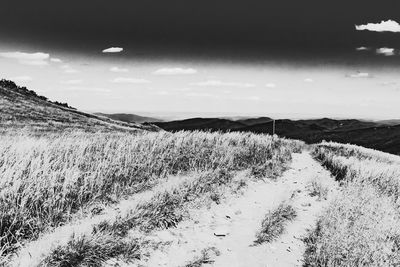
point(234, 28)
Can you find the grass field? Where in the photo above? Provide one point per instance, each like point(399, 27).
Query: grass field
point(47, 180)
point(362, 225)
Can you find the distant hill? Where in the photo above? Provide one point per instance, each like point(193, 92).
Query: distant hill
point(384, 138)
point(255, 121)
point(390, 122)
point(370, 134)
point(21, 108)
point(130, 118)
point(209, 124)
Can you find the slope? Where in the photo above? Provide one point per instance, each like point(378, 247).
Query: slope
point(21, 108)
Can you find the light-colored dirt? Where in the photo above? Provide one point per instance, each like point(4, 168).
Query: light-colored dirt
point(231, 226)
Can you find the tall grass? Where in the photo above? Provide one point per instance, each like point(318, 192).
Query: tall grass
point(45, 179)
point(361, 226)
point(274, 223)
point(348, 150)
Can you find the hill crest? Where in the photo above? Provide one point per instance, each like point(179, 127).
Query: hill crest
point(24, 108)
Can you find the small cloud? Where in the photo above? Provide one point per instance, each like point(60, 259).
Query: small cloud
point(362, 48)
point(270, 85)
point(34, 59)
point(113, 50)
point(130, 80)
point(24, 78)
point(72, 82)
point(360, 75)
point(385, 51)
point(55, 60)
point(68, 69)
point(175, 71)
point(308, 80)
point(216, 83)
point(116, 69)
point(383, 26)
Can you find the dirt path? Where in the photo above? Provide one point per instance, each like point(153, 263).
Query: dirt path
point(230, 228)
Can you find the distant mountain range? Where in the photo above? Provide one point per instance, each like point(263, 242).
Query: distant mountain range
point(129, 118)
point(381, 135)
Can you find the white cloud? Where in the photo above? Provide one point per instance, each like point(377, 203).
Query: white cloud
point(24, 78)
point(175, 71)
point(113, 50)
point(116, 69)
point(383, 26)
point(55, 60)
point(308, 80)
point(34, 59)
point(72, 82)
point(270, 85)
point(385, 51)
point(362, 48)
point(68, 69)
point(216, 83)
point(130, 80)
point(360, 75)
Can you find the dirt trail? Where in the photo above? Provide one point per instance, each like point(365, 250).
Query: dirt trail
point(230, 227)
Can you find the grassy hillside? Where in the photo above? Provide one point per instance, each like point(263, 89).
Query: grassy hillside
point(22, 108)
point(47, 180)
point(362, 225)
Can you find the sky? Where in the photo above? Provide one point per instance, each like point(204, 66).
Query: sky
point(292, 59)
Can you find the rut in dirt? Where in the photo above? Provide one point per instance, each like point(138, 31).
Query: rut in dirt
point(224, 234)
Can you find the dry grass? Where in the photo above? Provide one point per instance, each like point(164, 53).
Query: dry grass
point(93, 251)
point(274, 223)
point(347, 150)
point(319, 187)
point(46, 179)
point(361, 227)
point(206, 257)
